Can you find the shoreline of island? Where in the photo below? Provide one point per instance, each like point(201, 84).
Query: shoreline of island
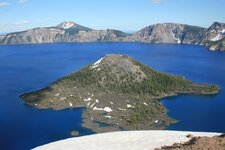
point(117, 93)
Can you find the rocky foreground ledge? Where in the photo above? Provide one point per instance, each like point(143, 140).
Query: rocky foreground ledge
point(127, 140)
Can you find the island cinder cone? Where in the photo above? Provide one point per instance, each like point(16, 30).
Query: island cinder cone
point(119, 91)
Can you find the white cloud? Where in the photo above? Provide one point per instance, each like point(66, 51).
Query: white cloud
point(22, 22)
point(3, 4)
point(21, 1)
point(156, 1)
point(15, 26)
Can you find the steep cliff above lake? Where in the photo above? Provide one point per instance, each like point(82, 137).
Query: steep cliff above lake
point(213, 37)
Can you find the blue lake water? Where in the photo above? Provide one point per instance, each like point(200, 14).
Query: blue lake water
point(25, 68)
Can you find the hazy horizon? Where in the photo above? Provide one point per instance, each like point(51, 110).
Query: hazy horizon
point(19, 15)
point(126, 31)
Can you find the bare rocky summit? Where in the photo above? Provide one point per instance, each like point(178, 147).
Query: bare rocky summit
point(117, 91)
point(214, 37)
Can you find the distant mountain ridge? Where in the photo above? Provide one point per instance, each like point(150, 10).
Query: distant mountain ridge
point(168, 33)
point(212, 37)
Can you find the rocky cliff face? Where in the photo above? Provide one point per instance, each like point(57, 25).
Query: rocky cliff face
point(91, 36)
point(213, 37)
point(168, 33)
point(64, 32)
point(38, 35)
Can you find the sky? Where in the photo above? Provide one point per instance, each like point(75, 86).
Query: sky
point(125, 15)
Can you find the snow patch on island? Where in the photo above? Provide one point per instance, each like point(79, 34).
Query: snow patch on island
point(88, 99)
point(121, 109)
point(88, 104)
point(145, 104)
point(108, 116)
point(107, 109)
point(94, 104)
point(96, 64)
point(63, 98)
point(129, 106)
